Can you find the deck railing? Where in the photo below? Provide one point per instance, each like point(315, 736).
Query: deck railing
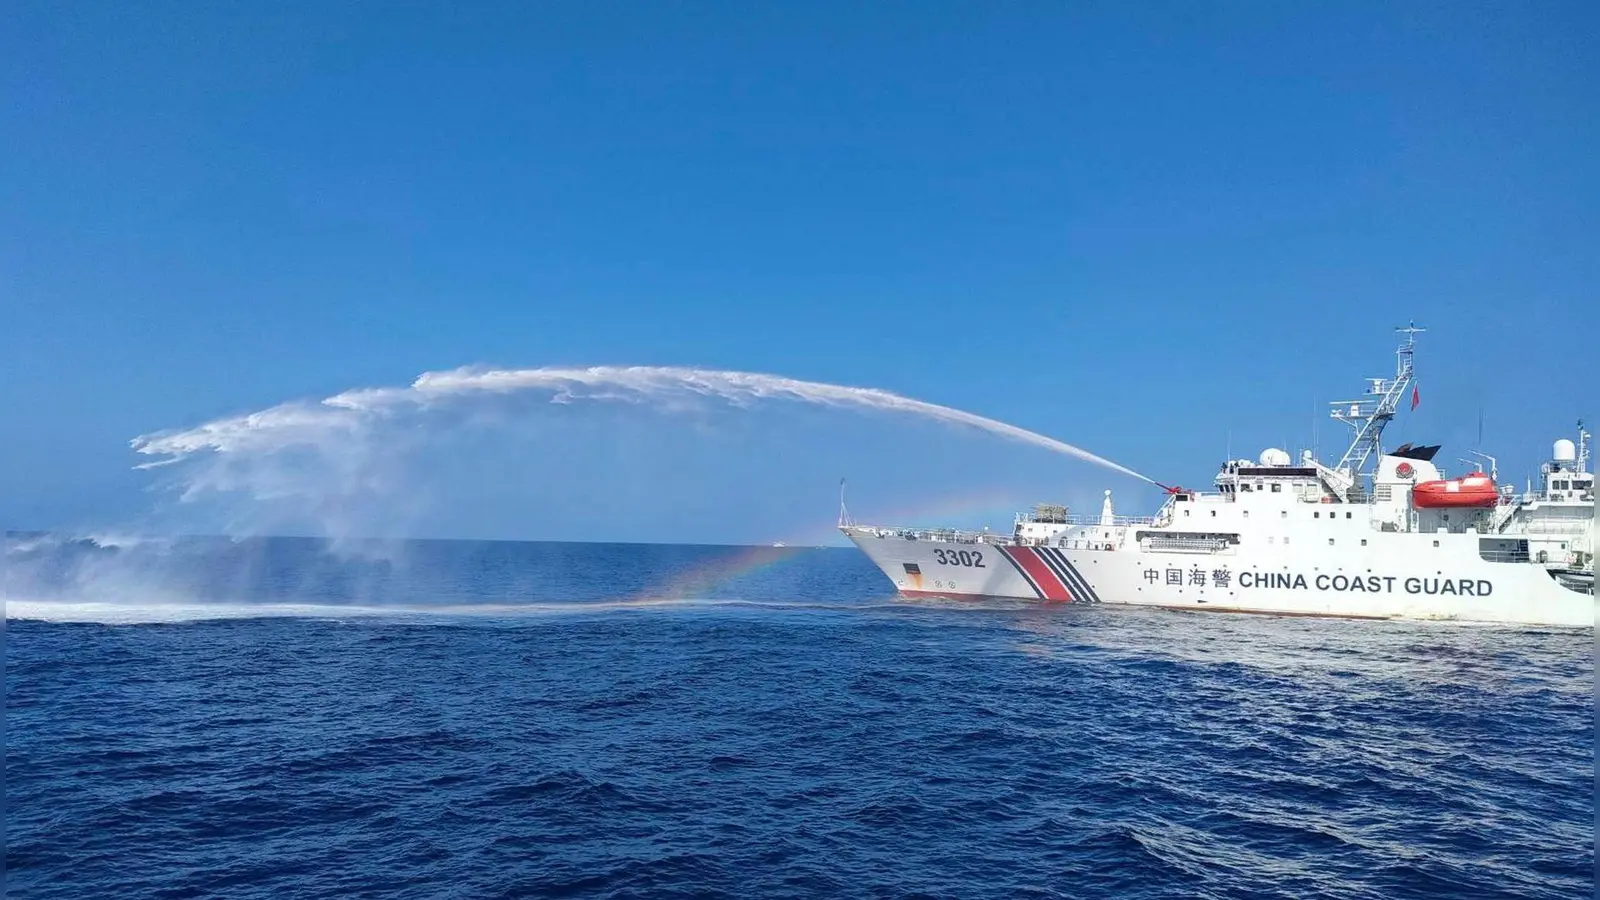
point(944, 535)
point(1116, 521)
point(959, 536)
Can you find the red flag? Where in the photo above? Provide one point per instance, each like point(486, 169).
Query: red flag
point(1416, 398)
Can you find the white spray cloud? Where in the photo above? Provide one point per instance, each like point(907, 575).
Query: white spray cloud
point(347, 416)
point(343, 463)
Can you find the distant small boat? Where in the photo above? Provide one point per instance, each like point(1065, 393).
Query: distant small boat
point(779, 544)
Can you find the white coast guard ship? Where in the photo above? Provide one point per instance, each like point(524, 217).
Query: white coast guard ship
point(1378, 534)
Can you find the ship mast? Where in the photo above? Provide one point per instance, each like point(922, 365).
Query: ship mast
point(1583, 447)
point(1369, 414)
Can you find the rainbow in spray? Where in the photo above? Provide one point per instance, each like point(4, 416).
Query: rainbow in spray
point(741, 562)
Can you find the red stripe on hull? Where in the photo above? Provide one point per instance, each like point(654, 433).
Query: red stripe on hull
point(956, 595)
point(946, 595)
point(1040, 573)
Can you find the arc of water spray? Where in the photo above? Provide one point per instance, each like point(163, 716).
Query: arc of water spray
point(292, 424)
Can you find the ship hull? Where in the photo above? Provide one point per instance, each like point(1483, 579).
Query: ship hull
point(1412, 577)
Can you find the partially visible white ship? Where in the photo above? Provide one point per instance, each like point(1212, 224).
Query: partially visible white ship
point(1377, 534)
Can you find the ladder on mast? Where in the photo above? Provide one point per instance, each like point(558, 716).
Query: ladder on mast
point(1368, 416)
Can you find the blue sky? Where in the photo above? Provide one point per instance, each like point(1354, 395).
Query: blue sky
point(1148, 230)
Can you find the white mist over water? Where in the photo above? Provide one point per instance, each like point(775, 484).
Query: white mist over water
point(368, 460)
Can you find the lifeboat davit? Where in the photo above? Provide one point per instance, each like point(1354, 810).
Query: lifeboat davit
point(1474, 491)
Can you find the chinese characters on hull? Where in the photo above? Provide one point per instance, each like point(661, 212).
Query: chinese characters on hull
point(1196, 577)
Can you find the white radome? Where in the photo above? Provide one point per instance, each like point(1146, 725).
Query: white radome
point(1272, 456)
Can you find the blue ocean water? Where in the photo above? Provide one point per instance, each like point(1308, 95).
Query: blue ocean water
point(285, 718)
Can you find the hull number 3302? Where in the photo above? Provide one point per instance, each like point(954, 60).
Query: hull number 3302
point(972, 558)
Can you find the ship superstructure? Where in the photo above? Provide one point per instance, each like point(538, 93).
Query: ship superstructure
point(1377, 534)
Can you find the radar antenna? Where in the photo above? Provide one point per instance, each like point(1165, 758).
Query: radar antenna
point(1375, 410)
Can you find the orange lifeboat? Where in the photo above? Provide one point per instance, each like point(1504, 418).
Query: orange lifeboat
point(1474, 491)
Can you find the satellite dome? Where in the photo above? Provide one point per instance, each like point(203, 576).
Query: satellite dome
point(1272, 456)
point(1564, 451)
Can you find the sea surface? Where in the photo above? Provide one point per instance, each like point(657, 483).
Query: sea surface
point(278, 718)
